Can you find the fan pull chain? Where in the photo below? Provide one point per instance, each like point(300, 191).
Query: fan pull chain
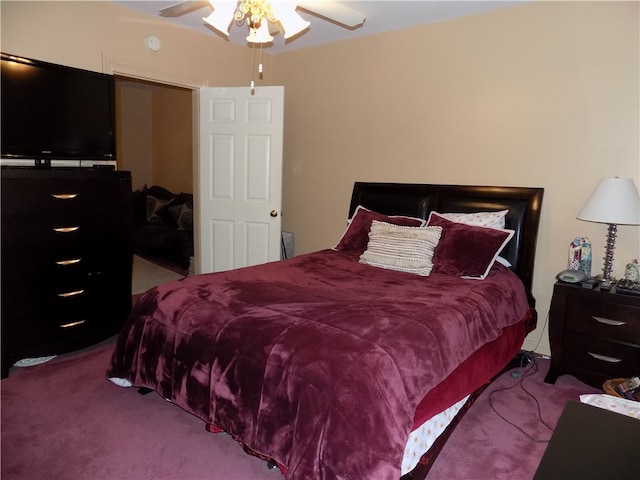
point(253, 70)
point(253, 75)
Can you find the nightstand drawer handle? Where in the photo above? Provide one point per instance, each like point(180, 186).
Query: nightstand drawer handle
point(608, 321)
point(604, 358)
point(64, 196)
point(65, 229)
point(71, 294)
point(72, 324)
point(71, 261)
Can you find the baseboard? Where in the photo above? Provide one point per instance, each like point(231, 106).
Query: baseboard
point(531, 345)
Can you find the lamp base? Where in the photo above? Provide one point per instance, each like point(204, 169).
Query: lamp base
point(605, 285)
point(612, 232)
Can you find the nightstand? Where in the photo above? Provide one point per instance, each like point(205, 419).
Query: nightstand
point(594, 335)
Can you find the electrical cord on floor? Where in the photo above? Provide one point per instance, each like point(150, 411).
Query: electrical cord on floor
point(527, 373)
point(541, 333)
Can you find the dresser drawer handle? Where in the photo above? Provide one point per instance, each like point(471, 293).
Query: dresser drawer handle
point(71, 294)
point(64, 196)
point(608, 321)
point(65, 229)
point(72, 324)
point(604, 358)
point(71, 261)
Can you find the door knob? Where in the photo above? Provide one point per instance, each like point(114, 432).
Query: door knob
point(274, 213)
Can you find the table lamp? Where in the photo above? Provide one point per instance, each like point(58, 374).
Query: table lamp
point(615, 201)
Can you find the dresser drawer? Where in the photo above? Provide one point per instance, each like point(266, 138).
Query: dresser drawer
point(67, 312)
point(46, 197)
point(63, 267)
point(38, 234)
point(610, 359)
point(612, 321)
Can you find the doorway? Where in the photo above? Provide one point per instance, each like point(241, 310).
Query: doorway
point(154, 141)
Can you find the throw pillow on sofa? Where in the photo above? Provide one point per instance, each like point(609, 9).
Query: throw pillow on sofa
point(182, 215)
point(157, 198)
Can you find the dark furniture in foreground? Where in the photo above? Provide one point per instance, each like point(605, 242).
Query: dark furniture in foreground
point(594, 335)
point(591, 443)
point(66, 259)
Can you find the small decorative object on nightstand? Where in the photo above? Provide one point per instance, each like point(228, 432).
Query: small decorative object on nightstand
point(632, 271)
point(630, 284)
point(594, 335)
point(580, 255)
point(615, 201)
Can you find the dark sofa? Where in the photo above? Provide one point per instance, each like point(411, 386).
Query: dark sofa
point(163, 225)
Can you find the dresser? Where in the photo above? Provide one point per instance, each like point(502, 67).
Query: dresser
point(66, 259)
point(594, 335)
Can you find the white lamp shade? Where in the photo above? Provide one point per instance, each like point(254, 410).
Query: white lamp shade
point(222, 15)
point(260, 34)
point(614, 201)
point(292, 23)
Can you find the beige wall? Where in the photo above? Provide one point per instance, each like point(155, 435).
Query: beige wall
point(154, 134)
point(172, 139)
point(543, 94)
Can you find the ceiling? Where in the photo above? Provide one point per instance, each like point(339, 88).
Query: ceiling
point(381, 16)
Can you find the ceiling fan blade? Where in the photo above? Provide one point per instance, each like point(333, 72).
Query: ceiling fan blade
point(182, 8)
point(334, 12)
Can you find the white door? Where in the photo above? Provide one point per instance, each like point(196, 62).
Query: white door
point(239, 177)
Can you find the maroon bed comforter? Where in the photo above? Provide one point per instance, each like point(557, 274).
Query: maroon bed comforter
point(317, 362)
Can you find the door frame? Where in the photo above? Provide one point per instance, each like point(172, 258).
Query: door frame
point(121, 68)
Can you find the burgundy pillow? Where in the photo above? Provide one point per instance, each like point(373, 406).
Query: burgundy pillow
point(465, 250)
point(356, 237)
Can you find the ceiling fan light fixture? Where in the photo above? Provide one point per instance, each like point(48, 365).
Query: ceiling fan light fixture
point(292, 23)
point(222, 15)
point(257, 13)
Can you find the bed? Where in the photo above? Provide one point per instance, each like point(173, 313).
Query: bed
point(325, 364)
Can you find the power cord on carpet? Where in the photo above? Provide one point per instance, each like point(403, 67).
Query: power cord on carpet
point(546, 320)
point(533, 368)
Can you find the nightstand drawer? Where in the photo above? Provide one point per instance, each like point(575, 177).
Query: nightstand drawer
point(610, 359)
point(603, 319)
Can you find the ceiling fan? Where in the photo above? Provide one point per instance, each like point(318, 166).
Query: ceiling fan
point(278, 13)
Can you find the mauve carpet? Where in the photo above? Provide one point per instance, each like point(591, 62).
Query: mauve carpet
point(64, 420)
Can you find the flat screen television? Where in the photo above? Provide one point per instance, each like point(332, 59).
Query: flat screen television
point(54, 112)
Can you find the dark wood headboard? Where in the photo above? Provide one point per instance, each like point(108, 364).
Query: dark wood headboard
point(418, 200)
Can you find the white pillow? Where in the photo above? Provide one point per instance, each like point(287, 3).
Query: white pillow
point(401, 248)
point(478, 219)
